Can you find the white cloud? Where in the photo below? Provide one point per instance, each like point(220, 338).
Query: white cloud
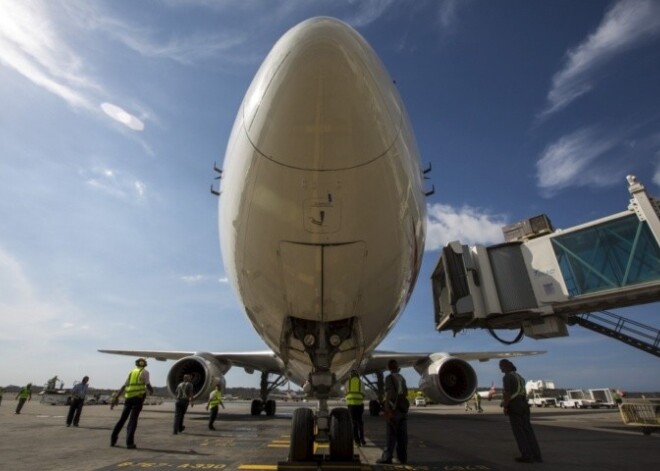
point(627, 24)
point(469, 225)
point(448, 13)
point(223, 280)
point(122, 116)
point(570, 161)
point(28, 316)
point(30, 44)
point(192, 278)
point(656, 175)
point(118, 184)
point(368, 12)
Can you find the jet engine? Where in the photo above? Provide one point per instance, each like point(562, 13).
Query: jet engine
point(448, 380)
point(205, 372)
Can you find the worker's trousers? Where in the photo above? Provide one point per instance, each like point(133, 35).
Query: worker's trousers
point(131, 412)
point(180, 408)
point(75, 409)
point(214, 413)
point(356, 411)
point(521, 425)
point(21, 403)
point(396, 436)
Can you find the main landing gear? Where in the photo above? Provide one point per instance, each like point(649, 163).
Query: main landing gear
point(264, 404)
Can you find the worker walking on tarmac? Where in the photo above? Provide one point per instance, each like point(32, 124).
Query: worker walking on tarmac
point(395, 411)
point(2, 391)
point(184, 398)
point(514, 402)
point(355, 403)
point(25, 394)
point(77, 398)
point(215, 400)
point(134, 390)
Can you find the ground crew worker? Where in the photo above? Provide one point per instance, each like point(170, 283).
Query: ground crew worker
point(25, 394)
point(355, 403)
point(2, 391)
point(515, 405)
point(134, 390)
point(215, 400)
point(184, 397)
point(77, 397)
point(395, 412)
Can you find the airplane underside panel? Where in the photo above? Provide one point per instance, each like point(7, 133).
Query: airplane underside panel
point(315, 288)
point(322, 301)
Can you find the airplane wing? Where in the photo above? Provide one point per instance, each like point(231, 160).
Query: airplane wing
point(377, 361)
point(264, 360)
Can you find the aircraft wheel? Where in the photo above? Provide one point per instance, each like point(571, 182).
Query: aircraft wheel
point(255, 409)
point(301, 447)
point(270, 407)
point(341, 435)
point(374, 408)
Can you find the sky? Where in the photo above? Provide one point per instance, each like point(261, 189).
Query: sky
point(112, 114)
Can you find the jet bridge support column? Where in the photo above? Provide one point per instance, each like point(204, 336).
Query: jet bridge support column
point(646, 208)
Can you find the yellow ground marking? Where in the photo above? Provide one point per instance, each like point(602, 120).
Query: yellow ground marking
point(257, 466)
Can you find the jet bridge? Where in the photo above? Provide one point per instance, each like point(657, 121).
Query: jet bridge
point(541, 278)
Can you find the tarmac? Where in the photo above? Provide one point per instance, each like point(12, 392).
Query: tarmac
point(440, 438)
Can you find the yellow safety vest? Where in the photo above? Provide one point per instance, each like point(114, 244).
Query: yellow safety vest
point(135, 385)
point(520, 391)
point(25, 393)
point(215, 400)
point(354, 395)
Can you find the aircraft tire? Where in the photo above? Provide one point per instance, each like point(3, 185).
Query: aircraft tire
point(255, 408)
point(301, 447)
point(341, 435)
point(270, 407)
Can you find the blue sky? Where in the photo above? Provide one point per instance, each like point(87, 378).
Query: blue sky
point(113, 113)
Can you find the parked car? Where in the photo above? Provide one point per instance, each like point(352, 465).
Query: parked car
point(420, 401)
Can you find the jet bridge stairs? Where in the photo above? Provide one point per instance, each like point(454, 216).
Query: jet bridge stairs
point(628, 331)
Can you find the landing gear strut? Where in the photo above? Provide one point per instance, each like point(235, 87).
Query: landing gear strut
point(264, 404)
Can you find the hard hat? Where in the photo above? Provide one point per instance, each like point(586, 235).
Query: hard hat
point(140, 362)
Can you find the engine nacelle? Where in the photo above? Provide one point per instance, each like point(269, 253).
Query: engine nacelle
point(448, 381)
point(205, 372)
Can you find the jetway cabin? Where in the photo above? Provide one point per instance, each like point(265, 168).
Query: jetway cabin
point(540, 278)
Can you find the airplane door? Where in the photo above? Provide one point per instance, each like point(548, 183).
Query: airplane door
point(317, 279)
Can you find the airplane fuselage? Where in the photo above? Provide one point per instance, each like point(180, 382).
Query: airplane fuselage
point(322, 211)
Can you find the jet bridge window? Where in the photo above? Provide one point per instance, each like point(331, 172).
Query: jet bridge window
point(610, 255)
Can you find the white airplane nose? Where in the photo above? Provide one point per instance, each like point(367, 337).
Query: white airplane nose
point(322, 100)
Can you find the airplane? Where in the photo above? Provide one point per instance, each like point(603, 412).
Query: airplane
point(322, 221)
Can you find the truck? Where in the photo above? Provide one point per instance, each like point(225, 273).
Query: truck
point(577, 399)
point(604, 397)
point(538, 399)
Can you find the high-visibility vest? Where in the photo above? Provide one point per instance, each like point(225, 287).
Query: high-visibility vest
point(135, 385)
point(520, 390)
point(354, 395)
point(24, 394)
point(215, 399)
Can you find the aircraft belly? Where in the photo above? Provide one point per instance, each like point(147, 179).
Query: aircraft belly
point(360, 266)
